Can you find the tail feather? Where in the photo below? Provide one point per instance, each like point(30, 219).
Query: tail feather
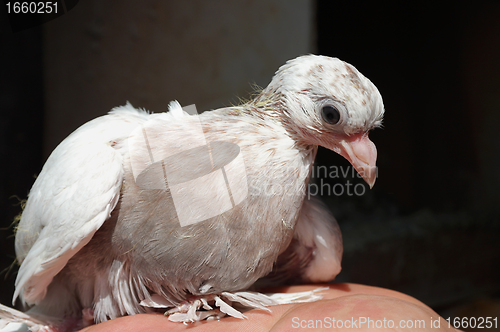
point(15, 320)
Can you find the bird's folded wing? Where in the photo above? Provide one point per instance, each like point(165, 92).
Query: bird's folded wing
point(74, 194)
point(13, 320)
point(318, 230)
point(315, 253)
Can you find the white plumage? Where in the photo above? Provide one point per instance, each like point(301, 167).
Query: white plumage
point(93, 236)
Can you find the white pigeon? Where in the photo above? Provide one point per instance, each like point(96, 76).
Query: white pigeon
point(136, 210)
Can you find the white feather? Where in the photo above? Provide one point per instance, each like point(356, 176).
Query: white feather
point(227, 309)
point(69, 203)
point(189, 312)
point(14, 320)
point(176, 110)
point(317, 228)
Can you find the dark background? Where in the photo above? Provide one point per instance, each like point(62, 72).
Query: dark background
point(431, 225)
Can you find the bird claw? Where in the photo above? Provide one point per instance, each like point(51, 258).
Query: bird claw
point(87, 317)
point(191, 310)
point(216, 306)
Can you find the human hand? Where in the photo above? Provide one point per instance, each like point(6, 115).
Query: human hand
point(367, 307)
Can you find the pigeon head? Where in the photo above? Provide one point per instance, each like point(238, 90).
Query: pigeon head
point(328, 102)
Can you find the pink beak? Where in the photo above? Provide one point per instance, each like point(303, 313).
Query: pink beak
point(362, 154)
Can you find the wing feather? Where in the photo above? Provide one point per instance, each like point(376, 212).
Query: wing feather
point(315, 253)
point(317, 229)
point(74, 194)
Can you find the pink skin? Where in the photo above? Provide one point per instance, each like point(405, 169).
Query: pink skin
point(344, 302)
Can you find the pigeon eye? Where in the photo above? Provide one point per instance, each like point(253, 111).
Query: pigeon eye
point(330, 114)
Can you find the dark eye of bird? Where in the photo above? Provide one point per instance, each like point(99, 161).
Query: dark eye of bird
point(330, 114)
